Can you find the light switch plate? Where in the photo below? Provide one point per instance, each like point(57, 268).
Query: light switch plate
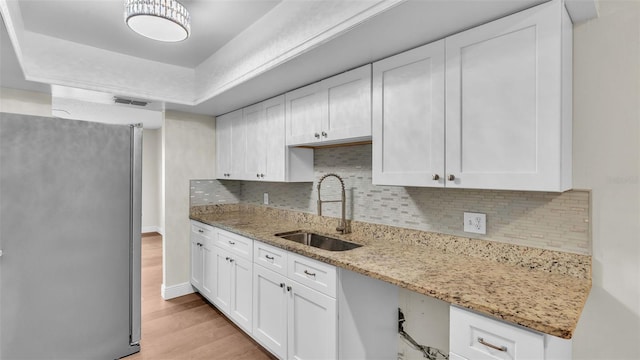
point(265, 198)
point(475, 223)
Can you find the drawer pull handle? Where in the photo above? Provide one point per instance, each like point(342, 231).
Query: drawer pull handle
point(310, 273)
point(231, 242)
point(499, 348)
point(269, 257)
point(200, 231)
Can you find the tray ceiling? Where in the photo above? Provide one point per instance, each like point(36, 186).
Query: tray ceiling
point(240, 52)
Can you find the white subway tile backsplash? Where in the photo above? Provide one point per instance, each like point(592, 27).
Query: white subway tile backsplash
point(212, 192)
point(554, 221)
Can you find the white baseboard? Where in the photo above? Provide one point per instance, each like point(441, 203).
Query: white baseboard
point(174, 291)
point(148, 229)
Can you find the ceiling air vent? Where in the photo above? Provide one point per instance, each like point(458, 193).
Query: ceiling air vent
point(119, 100)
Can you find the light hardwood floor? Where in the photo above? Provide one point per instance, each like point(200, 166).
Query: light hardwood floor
point(187, 327)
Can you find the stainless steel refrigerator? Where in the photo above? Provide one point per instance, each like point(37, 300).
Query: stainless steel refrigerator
point(70, 222)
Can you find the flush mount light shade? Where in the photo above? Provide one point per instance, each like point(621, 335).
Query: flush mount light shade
point(163, 20)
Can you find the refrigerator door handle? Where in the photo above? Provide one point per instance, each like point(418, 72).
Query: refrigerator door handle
point(136, 233)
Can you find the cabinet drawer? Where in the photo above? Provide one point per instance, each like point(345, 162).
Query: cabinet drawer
point(270, 257)
point(238, 245)
point(475, 336)
point(202, 229)
point(312, 273)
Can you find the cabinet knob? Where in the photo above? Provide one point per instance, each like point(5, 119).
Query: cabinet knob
point(231, 260)
point(227, 258)
point(435, 177)
point(261, 175)
point(288, 288)
point(282, 285)
point(317, 136)
point(324, 134)
point(451, 177)
point(257, 175)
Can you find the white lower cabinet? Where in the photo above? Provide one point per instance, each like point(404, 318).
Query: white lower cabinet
point(202, 258)
point(232, 286)
point(292, 320)
point(475, 336)
point(270, 310)
point(312, 324)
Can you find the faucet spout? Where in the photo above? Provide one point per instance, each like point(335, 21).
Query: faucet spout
point(342, 227)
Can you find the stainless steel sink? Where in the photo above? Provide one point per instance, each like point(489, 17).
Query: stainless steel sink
point(318, 241)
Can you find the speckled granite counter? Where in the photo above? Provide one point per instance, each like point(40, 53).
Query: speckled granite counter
point(540, 289)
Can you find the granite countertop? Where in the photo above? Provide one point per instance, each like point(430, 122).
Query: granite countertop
point(517, 287)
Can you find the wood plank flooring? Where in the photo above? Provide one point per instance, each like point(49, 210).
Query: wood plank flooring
point(187, 327)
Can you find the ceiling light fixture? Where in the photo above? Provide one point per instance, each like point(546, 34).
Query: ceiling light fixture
point(162, 20)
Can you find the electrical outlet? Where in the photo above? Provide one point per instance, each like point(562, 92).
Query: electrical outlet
point(475, 223)
point(265, 199)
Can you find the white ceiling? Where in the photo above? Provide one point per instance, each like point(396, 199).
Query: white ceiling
point(100, 23)
point(240, 51)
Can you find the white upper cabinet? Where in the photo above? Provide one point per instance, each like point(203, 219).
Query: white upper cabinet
point(335, 110)
point(306, 108)
point(507, 107)
point(231, 140)
point(508, 102)
point(266, 149)
point(250, 145)
point(408, 117)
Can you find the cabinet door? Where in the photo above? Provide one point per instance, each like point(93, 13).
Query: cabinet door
point(312, 324)
point(238, 153)
point(305, 109)
point(208, 270)
point(274, 145)
point(221, 292)
point(255, 144)
point(196, 260)
point(231, 142)
point(270, 310)
point(503, 102)
point(223, 144)
point(241, 305)
point(349, 105)
point(408, 118)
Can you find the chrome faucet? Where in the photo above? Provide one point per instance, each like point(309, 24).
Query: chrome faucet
point(343, 227)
